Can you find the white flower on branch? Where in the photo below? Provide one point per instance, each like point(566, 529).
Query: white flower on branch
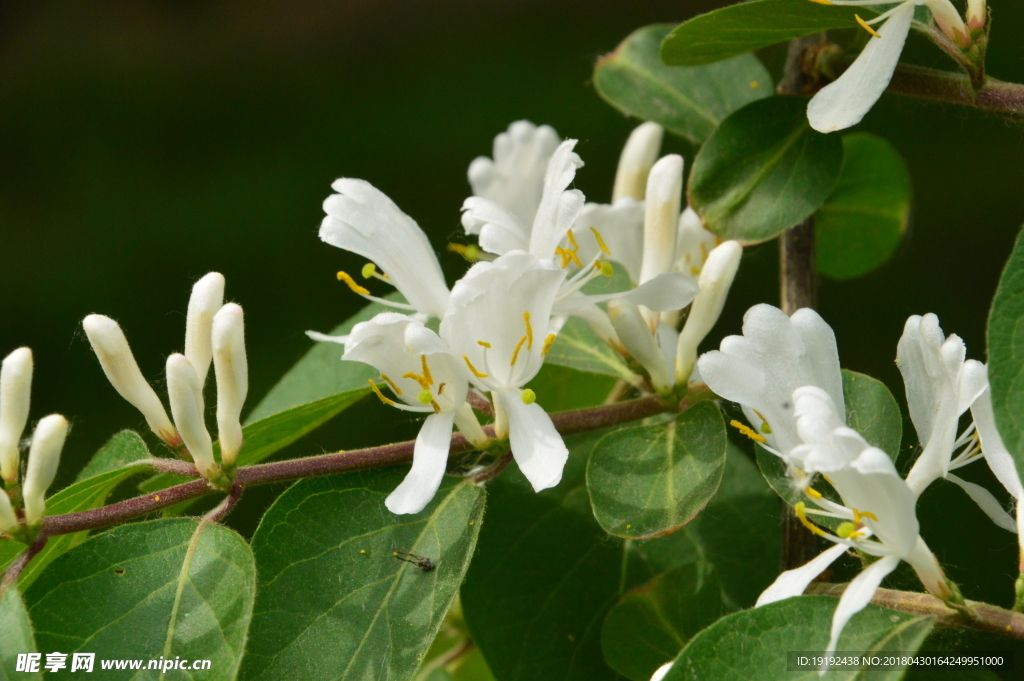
point(15, 396)
point(43, 460)
point(232, 372)
point(186, 396)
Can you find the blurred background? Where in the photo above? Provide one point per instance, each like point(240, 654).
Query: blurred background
point(145, 143)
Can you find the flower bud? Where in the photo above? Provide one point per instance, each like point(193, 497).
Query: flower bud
point(976, 14)
point(15, 393)
point(232, 372)
point(635, 335)
point(8, 520)
point(186, 397)
point(43, 459)
point(693, 243)
point(661, 216)
point(115, 355)
point(639, 154)
point(715, 280)
point(949, 21)
point(207, 297)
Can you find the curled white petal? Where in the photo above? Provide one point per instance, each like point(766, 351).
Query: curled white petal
point(232, 372)
point(537, 447)
point(207, 297)
point(43, 460)
point(15, 396)
point(998, 458)
point(559, 206)
point(794, 582)
point(429, 458)
point(986, 502)
point(187, 408)
point(857, 595)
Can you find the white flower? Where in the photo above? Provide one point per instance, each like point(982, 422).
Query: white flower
point(844, 102)
point(940, 387)
point(425, 377)
point(775, 355)
point(661, 672)
point(661, 216)
point(232, 372)
point(361, 219)
point(15, 395)
point(498, 322)
point(43, 459)
point(515, 177)
point(638, 157)
point(186, 397)
point(642, 345)
point(693, 244)
point(207, 297)
point(877, 510)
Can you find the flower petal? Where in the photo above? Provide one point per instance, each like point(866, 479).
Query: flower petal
point(559, 207)
point(998, 458)
point(793, 582)
point(429, 458)
point(986, 502)
point(858, 594)
point(843, 103)
point(537, 447)
point(500, 231)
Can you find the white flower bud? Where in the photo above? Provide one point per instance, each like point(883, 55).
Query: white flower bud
point(8, 520)
point(693, 243)
point(207, 297)
point(661, 216)
point(715, 280)
point(640, 343)
point(115, 355)
point(15, 393)
point(639, 154)
point(186, 397)
point(43, 459)
point(232, 372)
point(976, 14)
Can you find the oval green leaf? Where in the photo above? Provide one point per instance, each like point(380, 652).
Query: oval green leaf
point(333, 601)
point(861, 224)
point(763, 170)
point(752, 645)
point(749, 26)
point(689, 101)
point(175, 587)
point(578, 347)
point(651, 480)
point(653, 622)
point(16, 635)
point(1006, 354)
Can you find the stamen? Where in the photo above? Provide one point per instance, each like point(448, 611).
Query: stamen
point(515, 353)
point(605, 268)
point(857, 515)
point(440, 388)
point(548, 342)
point(813, 493)
point(398, 391)
point(572, 240)
point(379, 393)
point(800, 509)
point(529, 331)
point(828, 480)
point(425, 397)
point(765, 428)
point(426, 370)
point(528, 396)
point(846, 530)
point(748, 431)
point(419, 379)
point(485, 344)
point(472, 368)
point(470, 252)
point(863, 24)
point(822, 2)
point(600, 241)
point(369, 269)
point(356, 288)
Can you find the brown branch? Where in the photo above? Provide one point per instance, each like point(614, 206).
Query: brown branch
point(985, 617)
point(16, 567)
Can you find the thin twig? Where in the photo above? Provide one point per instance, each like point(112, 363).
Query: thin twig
point(16, 567)
point(227, 505)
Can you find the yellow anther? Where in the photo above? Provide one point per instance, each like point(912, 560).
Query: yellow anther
point(426, 370)
point(801, 513)
point(857, 515)
point(572, 240)
point(828, 480)
point(528, 396)
point(398, 391)
point(470, 252)
point(823, 2)
point(548, 342)
point(356, 288)
point(425, 397)
point(748, 431)
point(813, 493)
point(369, 269)
point(440, 388)
point(600, 241)
point(607, 269)
point(846, 530)
point(567, 257)
point(419, 379)
point(529, 331)
point(379, 393)
point(485, 344)
point(472, 368)
point(515, 353)
point(765, 428)
point(865, 26)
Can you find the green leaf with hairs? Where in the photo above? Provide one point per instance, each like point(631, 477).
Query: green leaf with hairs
point(16, 636)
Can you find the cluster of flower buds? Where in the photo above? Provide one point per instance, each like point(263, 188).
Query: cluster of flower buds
point(540, 243)
point(43, 452)
point(214, 333)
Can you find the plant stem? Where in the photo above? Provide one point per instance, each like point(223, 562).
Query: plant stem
point(985, 617)
point(567, 423)
point(20, 562)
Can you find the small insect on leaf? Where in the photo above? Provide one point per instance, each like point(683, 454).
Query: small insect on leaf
point(422, 563)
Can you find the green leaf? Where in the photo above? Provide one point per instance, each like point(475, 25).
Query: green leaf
point(687, 101)
point(871, 410)
point(578, 347)
point(268, 436)
point(651, 480)
point(333, 600)
point(1006, 354)
point(763, 170)
point(752, 645)
point(125, 448)
point(546, 574)
point(559, 388)
point(81, 496)
point(653, 622)
point(15, 635)
point(861, 224)
point(749, 26)
point(171, 587)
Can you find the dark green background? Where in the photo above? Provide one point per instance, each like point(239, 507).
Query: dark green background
point(143, 144)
